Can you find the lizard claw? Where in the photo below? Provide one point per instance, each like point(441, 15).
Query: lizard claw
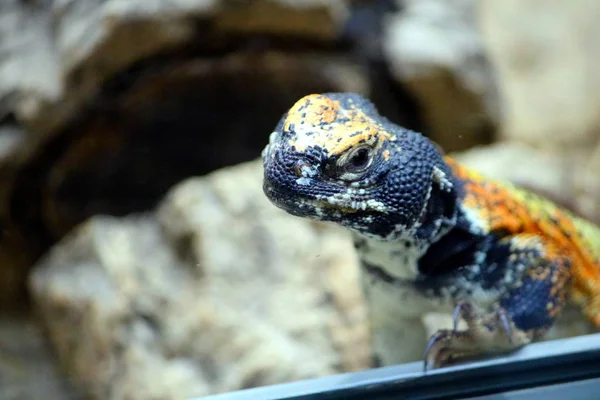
point(504, 321)
point(463, 310)
point(483, 333)
point(434, 355)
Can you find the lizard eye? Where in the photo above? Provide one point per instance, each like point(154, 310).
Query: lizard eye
point(358, 160)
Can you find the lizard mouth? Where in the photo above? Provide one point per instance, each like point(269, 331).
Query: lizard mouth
point(324, 204)
point(347, 203)
point(302, 204)
point(306, 206)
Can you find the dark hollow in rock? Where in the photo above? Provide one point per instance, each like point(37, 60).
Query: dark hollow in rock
point(151, 127)
point(172, 123)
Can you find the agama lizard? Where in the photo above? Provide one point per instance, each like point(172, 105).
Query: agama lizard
point(432, 235)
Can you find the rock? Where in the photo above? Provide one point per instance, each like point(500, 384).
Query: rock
point(123, 99)
point(182, 120)
point(27, 368)
point(434, 50)
point(71, 48)
point(172, 121)
point(549, 91)
point(11, 138)
point(309, 19)
point(546, 64)
point(216, 291)
point(13, 252)
point(480, 65)
point(29, 66)
point(587, 186)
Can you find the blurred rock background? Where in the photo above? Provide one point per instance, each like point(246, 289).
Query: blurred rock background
point(138, 256)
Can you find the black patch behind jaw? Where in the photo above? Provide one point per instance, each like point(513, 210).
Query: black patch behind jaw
point(456, 249)
point(441, 213)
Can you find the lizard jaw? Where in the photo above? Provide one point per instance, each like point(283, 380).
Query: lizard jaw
point(322, 204)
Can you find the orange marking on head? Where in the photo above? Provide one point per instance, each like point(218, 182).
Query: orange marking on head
point(386, 155)
point(504, 207)
point(316, 120)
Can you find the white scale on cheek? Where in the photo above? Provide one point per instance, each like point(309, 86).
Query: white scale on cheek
point(308, 172)
point(440, 177)
point(274, 136)
point(376, 205)
point(271, 148)
point(304, 181)
point(345, 199)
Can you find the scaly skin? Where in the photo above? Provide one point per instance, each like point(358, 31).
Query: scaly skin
point(432, 236)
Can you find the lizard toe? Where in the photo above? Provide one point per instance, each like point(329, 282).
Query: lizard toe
point(444, 347)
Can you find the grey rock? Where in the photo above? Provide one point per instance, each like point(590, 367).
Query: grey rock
point(27, 367)
point(56, 54)
point(545, 63)
point(29, 66)
point(587, 185)
point(434, 49)
point(217, 291)
point(104, 92)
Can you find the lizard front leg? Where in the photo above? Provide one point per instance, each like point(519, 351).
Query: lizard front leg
point(536, 275)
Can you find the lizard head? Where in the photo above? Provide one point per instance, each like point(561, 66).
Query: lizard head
point(332, 157)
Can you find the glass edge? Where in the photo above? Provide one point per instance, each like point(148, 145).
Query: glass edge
point(550, 353)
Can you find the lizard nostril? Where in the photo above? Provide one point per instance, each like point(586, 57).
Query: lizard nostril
point(299, 167)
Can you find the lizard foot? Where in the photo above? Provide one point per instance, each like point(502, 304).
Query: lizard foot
point(485, 333)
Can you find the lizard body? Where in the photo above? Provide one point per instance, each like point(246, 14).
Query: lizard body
point(432, 235)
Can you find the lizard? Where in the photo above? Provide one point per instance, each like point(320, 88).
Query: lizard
point(431, 234)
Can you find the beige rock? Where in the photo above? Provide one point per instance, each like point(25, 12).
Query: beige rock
point(29, 67)
point(70, 46)
point(587, 184)
point(219, 291)
point(545, 56)
point(107, 91)
point(27, 367)
point(434, 50)
point(95, 39)
point(308, 19)
point(107, 162)
point(57, 54)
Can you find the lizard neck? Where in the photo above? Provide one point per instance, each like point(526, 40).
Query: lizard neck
point(406, 254)
point(390, 260)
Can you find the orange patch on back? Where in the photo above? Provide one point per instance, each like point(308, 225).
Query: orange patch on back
point(504, 207)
